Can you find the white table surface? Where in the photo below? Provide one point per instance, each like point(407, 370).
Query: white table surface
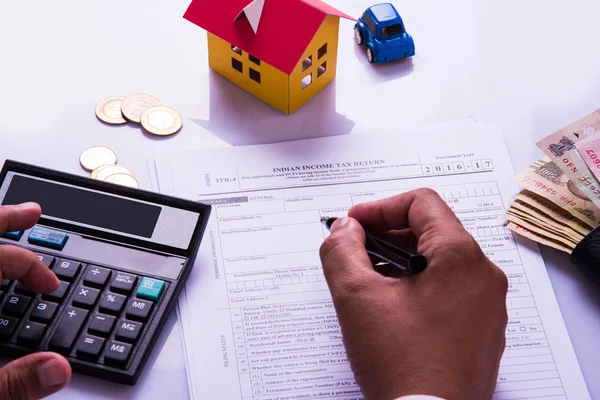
point(530, 67)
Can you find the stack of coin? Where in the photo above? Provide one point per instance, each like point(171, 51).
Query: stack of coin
point(102, 163)
point(140, 108)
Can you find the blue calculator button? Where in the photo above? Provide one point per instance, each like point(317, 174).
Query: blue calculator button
point(150, 289)
point(16, 235)
point(48, 238)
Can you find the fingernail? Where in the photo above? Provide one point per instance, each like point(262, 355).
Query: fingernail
point(23, 206)
point(340, 222)
point(51, 373)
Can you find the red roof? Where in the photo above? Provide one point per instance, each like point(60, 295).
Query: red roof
point(286, 27)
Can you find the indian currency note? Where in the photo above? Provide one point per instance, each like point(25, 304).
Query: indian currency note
point(538, 238)
point(561, 148)
point(547, 180)
point(544, 209)
point(547, 207)
point(540, 230)
point(589, 150)
point(549, 225)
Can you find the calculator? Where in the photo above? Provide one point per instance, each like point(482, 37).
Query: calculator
point(122, 256)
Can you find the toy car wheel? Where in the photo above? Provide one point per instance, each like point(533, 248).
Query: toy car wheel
point(370, 55)
point(358, 36)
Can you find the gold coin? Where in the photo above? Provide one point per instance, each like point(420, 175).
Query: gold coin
point(161, 120)
point(109, 170)
point(109, 110)
point(96, 156)
point(122, 179)
point(133, 106)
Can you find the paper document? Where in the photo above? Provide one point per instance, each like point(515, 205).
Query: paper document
point(257, 315)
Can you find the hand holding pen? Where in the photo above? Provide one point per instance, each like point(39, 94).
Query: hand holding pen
point(440, 331)
point(385, 252)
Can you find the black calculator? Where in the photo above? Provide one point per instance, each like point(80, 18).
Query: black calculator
point(122, 256)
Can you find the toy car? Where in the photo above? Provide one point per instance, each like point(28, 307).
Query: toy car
point(382, 31)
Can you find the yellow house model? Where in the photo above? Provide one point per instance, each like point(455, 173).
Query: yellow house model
point(282, 51)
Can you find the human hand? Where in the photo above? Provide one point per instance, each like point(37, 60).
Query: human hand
point(438, 333)
point(40, 374)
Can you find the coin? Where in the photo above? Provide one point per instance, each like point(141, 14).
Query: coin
point(109, 110)
point(96, 156)
point(161, 120)
point(100, 168)
point(105, 172)
point(133, 106)
point(122, 179)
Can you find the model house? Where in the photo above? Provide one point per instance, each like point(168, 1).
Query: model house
point(283, 52)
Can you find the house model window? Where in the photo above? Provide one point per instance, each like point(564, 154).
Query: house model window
point(236, 50)
point(254, 75)
point(307, 63)
point(237, 65)
point(323, 51)
point(306, 81)
point(322, 69)
point(253, 59)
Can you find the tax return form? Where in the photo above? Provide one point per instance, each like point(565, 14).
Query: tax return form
point(256, 314)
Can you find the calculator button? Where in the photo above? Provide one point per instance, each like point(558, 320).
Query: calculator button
point(128, 331)
point(31, 333)
point(16, 235)
point(46, 259)
point(90, 346)
point(5, 283)
point(58, 294)
point(96, 276)
point(138, 309)
point(112, 303)
point(150, 289)
point(101, 324)
point(117, 352)
point(43, 311)
point(47, 238)
point(7, 325)
point(66, 269)
point(20, 288)
point(86, 297)
point(68, 328)
point(123, 283)
point(16, 305)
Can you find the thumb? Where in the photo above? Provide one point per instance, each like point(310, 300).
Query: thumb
point(34, 376)
point(346, 263)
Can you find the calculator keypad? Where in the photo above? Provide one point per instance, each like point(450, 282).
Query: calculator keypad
point(7, 326)
point(123, 283)
point(112, 303)
point(43, 311)
point(58, 294)
point(96, 277)
point(86, 297)
point(31, 333)
point(98, 314)
point(16, 305)
point(101, 324)
point(68, 328)
point(90, 346)
point(66, 269)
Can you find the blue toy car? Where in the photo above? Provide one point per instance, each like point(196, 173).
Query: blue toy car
point(382, 31)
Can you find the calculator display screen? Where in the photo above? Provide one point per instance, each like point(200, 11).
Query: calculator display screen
point(104, 214)
point(86, 207)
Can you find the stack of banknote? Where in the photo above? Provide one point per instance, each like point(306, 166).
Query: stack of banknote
point(560, 201)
